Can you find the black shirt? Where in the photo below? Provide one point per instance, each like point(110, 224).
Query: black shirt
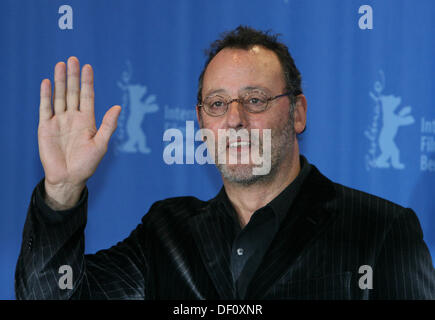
point(251, 243)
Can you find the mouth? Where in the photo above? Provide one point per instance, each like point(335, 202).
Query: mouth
point(239, 145)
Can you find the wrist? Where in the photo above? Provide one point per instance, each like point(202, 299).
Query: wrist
point(62, 196)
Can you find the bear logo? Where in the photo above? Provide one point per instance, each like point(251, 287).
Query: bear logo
point(138, 105)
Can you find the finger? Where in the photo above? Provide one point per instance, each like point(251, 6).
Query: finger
point(45, 111)
point(59, 88)
point(73, 82)
point(87, 90)
point(107, 127)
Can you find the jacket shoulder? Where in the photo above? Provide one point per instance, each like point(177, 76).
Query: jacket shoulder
point(359, 202)
point(347, 200)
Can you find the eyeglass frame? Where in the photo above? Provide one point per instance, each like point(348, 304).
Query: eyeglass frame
point(239, 100)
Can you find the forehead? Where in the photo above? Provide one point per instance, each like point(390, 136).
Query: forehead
point(232, 69)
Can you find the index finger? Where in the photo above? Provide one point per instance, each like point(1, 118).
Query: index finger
point(87, 89)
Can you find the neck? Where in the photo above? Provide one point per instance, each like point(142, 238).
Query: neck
point(248, 199)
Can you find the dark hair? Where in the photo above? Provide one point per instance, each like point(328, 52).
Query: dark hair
point(244, 37)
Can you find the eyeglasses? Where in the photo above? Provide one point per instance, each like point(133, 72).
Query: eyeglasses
point(254, 101)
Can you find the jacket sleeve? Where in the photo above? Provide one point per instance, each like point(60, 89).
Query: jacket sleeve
point(404, 268)
point(55, 239)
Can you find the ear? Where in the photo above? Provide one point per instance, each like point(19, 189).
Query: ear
point(300, 114)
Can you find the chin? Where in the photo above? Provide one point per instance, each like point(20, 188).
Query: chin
point(241, 174)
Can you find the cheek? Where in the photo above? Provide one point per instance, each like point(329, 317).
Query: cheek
point(273, 121)
point(282, 117)
point(274, 124)
point(209, 124)
point(212, 125)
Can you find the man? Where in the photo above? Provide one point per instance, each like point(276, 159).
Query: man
point(287, 234)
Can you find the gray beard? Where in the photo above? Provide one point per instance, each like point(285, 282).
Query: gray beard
point(282, 142)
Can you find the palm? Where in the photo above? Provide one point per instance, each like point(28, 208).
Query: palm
point(67, 149)
point(70, 146)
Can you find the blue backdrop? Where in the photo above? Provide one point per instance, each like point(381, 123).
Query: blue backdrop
point(370, 91)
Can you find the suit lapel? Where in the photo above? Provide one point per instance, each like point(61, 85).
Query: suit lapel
point(305, 221)
point(214, 245)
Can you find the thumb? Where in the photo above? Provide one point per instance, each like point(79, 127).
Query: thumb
point(108, 126)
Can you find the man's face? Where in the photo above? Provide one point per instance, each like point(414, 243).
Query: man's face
point(230, 73)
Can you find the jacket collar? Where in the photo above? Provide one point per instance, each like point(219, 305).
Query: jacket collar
point(214, 247)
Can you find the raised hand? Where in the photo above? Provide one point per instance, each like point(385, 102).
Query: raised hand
point(70, 146)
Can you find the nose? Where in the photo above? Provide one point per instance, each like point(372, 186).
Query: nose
point(236, 116)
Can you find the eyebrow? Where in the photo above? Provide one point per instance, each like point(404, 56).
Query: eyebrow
point(254, 88)
point(215, 91)
point(248, 88)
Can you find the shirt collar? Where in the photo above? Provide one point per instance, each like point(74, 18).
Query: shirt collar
point(281, 204)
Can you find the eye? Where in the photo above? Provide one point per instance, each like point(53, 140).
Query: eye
point(217, 104)
point(254, 100)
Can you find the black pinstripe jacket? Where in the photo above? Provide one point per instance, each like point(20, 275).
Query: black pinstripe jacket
point(180, 251)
